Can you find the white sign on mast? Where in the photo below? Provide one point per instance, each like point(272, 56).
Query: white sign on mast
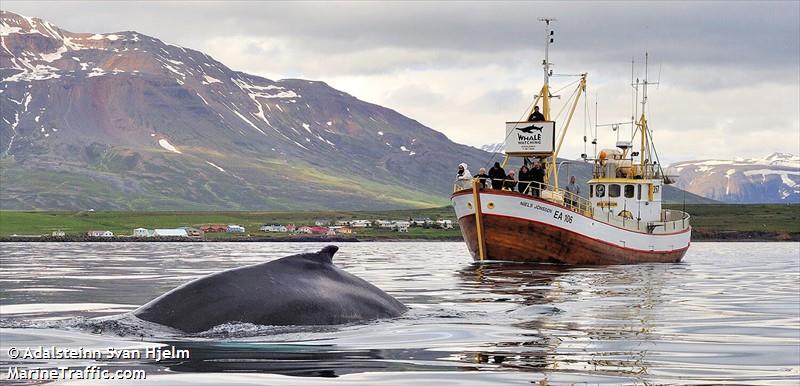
point(530, 138)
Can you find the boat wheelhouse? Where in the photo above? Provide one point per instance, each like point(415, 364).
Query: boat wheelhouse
point(620, 221)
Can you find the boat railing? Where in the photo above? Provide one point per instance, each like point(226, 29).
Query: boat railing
point(541, 190)
point(613, 169)
point(560, 196)
point(674, 220)
point(670, 221)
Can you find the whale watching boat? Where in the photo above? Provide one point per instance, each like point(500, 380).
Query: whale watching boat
point(619, 221)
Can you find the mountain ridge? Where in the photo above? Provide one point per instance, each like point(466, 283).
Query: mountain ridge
point(772, 179)
point(136, 123)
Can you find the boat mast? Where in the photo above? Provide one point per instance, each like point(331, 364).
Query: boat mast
point(644, 130)
point(545, 93)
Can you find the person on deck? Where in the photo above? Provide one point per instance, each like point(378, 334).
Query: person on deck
point(525, 179)
point(464, 177)
point(497, 174)
point(536, 116)
point(511, 181)
point(537, 176)
point(482, 177)
point(573, 188)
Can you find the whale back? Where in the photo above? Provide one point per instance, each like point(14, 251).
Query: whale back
point(303, 289)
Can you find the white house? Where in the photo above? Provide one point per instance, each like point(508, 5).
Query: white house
point(384, 224)
point(235, 229)
point(445, 224)
point(142, 232)
point(342, 223)
point(178, 232)
point(273, 228)
point(360, 223)
point(402, 226)
point(58, 233)
point(321, 223)
point(421, 222)
point(100, 234)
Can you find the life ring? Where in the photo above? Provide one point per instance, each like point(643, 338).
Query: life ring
point(601, 190)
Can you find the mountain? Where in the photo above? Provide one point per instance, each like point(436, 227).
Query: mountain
point(773, 179)
point(126, 121)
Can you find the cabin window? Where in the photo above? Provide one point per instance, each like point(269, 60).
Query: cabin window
point(600, 191)
point(638, 192)
point(613, 190)
point(591, 191)
point(629, 191)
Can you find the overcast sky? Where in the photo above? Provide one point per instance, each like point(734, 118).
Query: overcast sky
point(729, 72)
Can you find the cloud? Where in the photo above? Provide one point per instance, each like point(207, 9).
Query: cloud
point(729, 71)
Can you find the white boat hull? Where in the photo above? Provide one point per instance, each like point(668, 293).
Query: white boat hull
point(523, 228)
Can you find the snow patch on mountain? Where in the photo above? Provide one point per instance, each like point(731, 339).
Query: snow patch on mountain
point(6, 30)
point(37, 72)
point(55, 55)
point(493, 147)
point(97, 71)
point(166, 145)
point(215, 166)
point(249, 122)
point(210, 79)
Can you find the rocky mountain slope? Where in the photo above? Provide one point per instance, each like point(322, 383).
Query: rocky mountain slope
point(773, 179)
point(126, 121)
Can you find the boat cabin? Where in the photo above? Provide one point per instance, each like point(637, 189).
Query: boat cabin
point(624, 190)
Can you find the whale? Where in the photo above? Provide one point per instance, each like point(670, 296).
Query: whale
point(303, 289)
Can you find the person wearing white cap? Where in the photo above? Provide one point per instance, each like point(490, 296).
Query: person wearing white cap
point(511, 181)
point(464, 177)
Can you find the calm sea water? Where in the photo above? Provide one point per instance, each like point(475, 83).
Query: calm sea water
point(730, 313)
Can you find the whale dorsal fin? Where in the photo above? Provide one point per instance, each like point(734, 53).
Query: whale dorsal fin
point(325, 255)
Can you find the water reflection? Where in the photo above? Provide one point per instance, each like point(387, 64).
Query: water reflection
point(298, 359)
point(574, 317)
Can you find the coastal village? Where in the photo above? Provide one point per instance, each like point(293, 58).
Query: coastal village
point(322, 227)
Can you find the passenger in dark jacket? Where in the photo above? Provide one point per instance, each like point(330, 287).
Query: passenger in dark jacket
point(525, 178)
point(537, 176)
point(497, 174)
point(536, 116)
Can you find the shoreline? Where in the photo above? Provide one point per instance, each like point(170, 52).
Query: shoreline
point(697, 236)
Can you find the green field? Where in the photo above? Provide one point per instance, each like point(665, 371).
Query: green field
point(123, 223)
point(742, 218)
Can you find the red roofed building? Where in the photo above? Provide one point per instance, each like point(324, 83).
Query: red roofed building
point(214, 228)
